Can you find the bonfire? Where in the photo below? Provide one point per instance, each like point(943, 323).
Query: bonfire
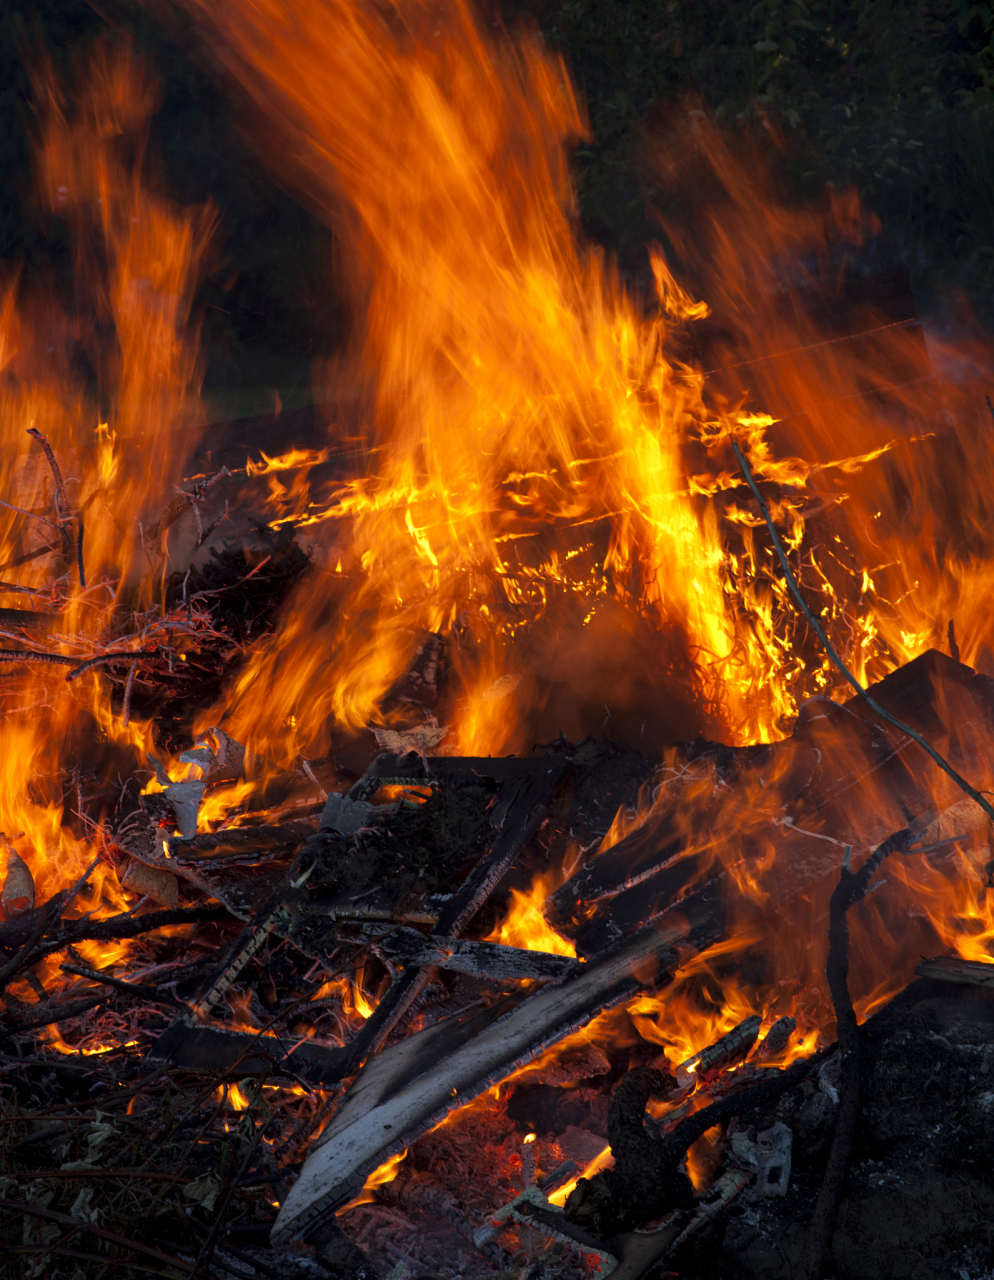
point(529, 814)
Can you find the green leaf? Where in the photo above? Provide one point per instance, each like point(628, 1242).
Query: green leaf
point(766, 46)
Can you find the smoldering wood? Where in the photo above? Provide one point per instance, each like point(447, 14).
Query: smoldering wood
point(835, 752)
point(129, 988)
point(36, 942)
point(27, 618)
point(533, 1209)
point(529, 786)
point(413, 1084)
point(405, 946)
point(731, 1047)
point(953, 969)
point(215, 1051)
point(662, 877)
point(422, 682)
point(776, 1039)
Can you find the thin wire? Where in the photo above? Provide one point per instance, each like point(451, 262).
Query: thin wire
point(830, 650)
point(813, 346)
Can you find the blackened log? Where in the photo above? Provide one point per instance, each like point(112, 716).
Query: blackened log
point(953, 969)
point(481, 959)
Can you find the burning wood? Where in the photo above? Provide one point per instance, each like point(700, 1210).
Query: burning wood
point(310, 957)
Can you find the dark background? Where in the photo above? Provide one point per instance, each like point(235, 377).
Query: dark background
point(897, 99)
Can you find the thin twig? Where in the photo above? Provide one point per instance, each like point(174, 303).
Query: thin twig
point(50, 1013)
point(129, 988)
point(61, 501)
point(127, 655)
point(30, 655)
point(31, 514)
point(830, 650)
point(27, 591)
point(114, 928)
point(200, 595)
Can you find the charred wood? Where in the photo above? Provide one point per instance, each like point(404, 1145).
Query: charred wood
point(952, 969)
point(852, 888)
point(412, 1085)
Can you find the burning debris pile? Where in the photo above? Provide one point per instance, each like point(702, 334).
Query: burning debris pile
point(311, 961)
point(235, 1082)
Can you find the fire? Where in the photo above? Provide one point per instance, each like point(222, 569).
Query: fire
point(138, 264)
point(386, 1172)
point(355, 1005)
point(531, 446)
point(548, 484)
point(526, 927)
point(233, 1096)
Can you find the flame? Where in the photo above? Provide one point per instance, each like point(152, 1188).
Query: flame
point(530, 430)
point(386, 1172)
point(549, 482)
point(138, 262)
point(355, 1005)
point(525, 926)
point(545, 480)
point(604, 1160)
point(232, 1096)
point(292, 460)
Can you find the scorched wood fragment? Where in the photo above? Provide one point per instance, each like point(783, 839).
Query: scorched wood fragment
point(952, 969)
point(528, 788)
point(307, 908)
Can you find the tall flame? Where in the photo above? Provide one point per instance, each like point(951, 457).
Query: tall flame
point(530, 431)
point(137, 264)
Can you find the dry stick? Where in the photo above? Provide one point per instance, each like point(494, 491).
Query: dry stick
point(200, 595)
point(129, 988)
point(874, 706)
point(126, 655)
point(114, 929)
point(852, 888)
point(25, 591)
point(61, 501)
point(20, 1206)
point(52, 1015)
